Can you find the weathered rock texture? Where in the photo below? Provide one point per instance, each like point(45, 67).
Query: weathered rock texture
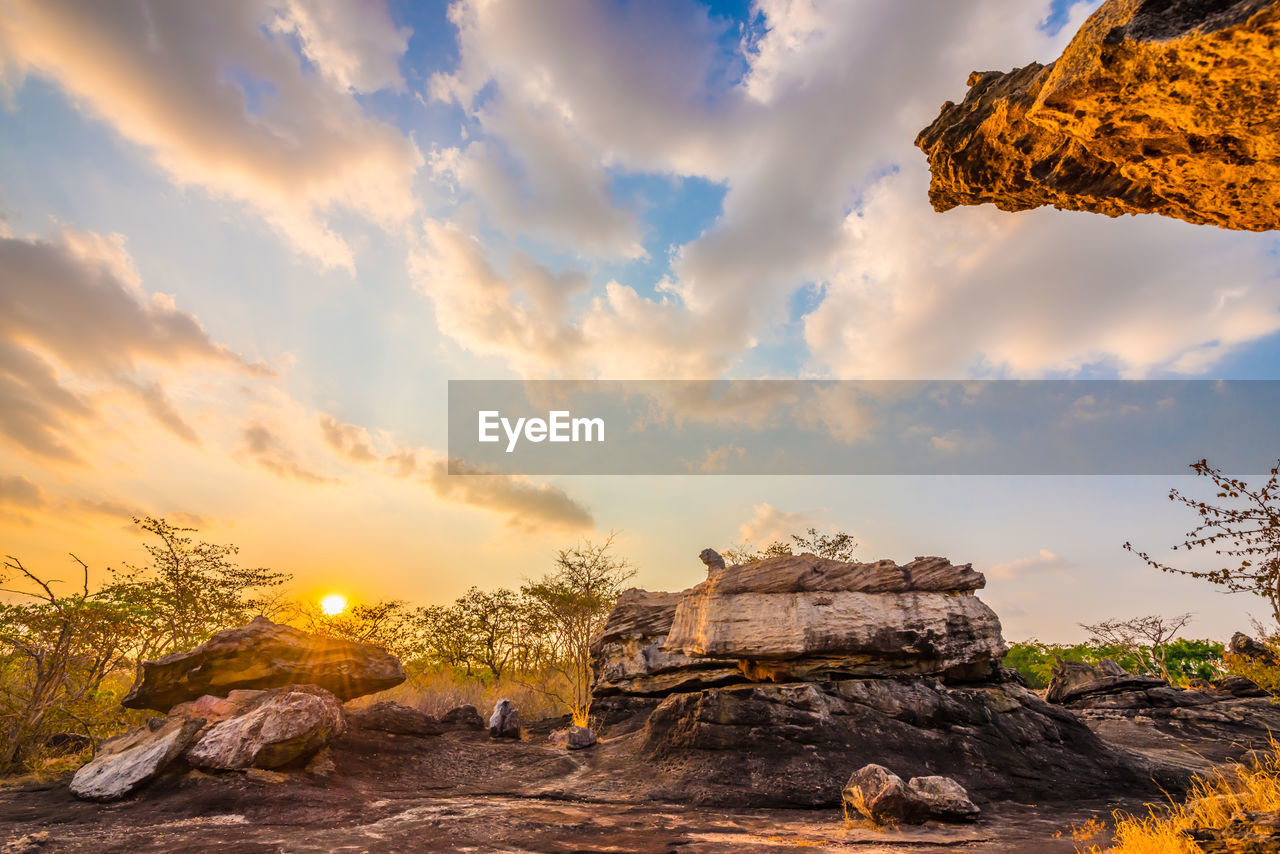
point(628, 658)
point(809, 618)
point(129, 761)
point(1156, 106)
point(395, 718)
point(264, 655)
point(272, 729)
point(882, 796)
point(505, 720)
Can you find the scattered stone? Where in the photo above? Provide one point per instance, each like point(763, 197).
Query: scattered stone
point(128, 762)
point(573, 738)
point(264, 655)
point(465, 716)
point(280, 726)
point(942, 798)
point(505, 720)
point(1243, 645)
point(394, 718)
point(1154, 107)
point(879, 794)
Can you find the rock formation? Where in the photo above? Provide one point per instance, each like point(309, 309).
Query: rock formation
point(273, 729)
point(465, 716)
point(264, 655)
point(505, 720)
point(130, 761)
point(1156, 106)
point(827, 667)
point(395, 718)
point(882, 796)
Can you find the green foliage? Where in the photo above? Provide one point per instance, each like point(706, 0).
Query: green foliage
point(837, 546)
point(1184, 658)
point(1194, 659)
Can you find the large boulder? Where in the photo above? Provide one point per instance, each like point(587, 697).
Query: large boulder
point(882, 796)
point(1154, 107)
point(465, 717)
point(127, 762)
point(792, 744)
point(628, 656)
point(263, 655)
point(802, 617)
point(395, 718)
point(505, 720)
point(272, 729)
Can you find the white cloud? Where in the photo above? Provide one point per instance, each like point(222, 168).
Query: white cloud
point(768, 523)
point(222, 100)
point(1041, 563)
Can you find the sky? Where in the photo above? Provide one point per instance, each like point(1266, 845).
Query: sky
point(244, 246)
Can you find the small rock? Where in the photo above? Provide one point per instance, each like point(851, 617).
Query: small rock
point(573, 738)
point(129, 761)
point(505, 720)
point(942, 798)
point(466, 716)
point(282, 725)
point(395, 718)
point(879, 794)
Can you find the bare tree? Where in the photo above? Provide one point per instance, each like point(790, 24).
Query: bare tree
point(1145, 638)
point(1244, 527)
point(837, 546)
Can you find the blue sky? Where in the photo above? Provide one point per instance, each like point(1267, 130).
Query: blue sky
point(355, 203)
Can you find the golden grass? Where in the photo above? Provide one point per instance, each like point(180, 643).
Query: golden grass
point(436, 692)
point(1211, 802)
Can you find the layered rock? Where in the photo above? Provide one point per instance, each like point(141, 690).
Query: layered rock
point(1154, 107)
point(628, 657)
point(271, 729)
point(809, 618)
point(130, 761)
point(882, 796)
point(264, 655)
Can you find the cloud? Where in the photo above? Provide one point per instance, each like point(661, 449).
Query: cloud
point(18, 491)
point(347, 440)
point(75, 323)
point(768, 524)
point(265, 445)
point(223, 101)
point(1041, 563)
point(716, 459)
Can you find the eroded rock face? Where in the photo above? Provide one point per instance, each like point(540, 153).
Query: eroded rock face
point(465, 717)
point(1156, 106)
point(272, 730)
point(628, 657)
point(263, 655)
point(882, 796)
point(128, 762)
point(505, 720)
point(807, 618)
point(793, 744)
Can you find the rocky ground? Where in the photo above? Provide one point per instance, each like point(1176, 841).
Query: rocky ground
point(462, 791)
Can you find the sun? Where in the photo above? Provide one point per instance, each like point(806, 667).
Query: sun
point(333, 604)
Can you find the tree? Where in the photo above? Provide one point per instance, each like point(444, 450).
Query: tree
point(1144, 638)
point(56, 650)
point(837, 546)
point(572, 602)
point(1244, 526)
point(190, 589)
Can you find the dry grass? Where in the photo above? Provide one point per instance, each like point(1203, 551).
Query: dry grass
point(436, 692)
point(1211, 802)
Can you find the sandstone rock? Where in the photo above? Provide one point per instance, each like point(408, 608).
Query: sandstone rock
point(1238, 686)
point(776, 745)
point(129, 761)
point(712, 560)
point(505, 720)
point(395, 718)
point(628, 658)
point(264, 655)
point(878, 794)
point(321, 764)
point(276, 728)
point(29, 843)
point(1242, 644)
point(214, 709)
point(1154, 107)
point(573, 738)
point(942, 798)
point(807, 618)
point(465, 716)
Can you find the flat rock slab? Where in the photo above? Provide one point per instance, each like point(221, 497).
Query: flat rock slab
point(264, 655)
point(130, 761)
